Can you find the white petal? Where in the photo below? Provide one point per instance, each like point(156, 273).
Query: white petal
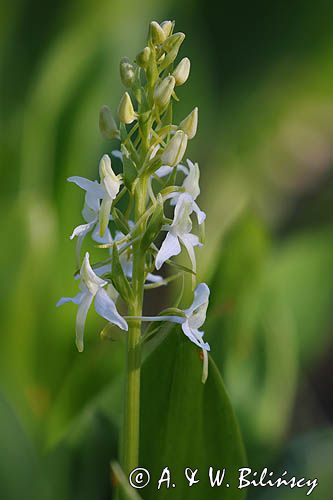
point(182, 168)
point(201, 216)
point(81, 319)
point(191, 182)
point(196, 313)
point(201, 296)
point(154, 278)
point(92, 203)
point(92, 186)
point(96, 236)
point(189, 333)
point(195, 336)
point(111, 184)
point(181, 221)
point(89, 278)
point(169, 248)
point(82, 230)
point(76, 300)
point(106, 308)
point(117, 154)
point(190, 241)
point(163, 171)
point(103, 269)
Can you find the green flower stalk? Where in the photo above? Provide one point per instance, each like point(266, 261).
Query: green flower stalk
point(141, 238)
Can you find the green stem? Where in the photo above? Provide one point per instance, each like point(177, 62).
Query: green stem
point(131, 424)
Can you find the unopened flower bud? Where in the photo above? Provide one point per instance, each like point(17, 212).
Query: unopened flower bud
point(107, 124)
point(182, 71)
point(175, 149)
point(143, 57)
point(173, 41)
point(126, 111)
point(190, 124)
point(157, 33)
point(127, 74)
point(167, 27)
point(171, 46)
point(163, 91)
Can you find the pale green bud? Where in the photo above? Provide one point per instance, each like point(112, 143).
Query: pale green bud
point(163, 91)
point(175, 149)
point(167, 27)
point(182, 71)
point(107, 124)
point(157, 33)
point(171, 46)
point(126, 111)
point(127, 74)
point(173, 41)
point(143, 57)
point(190, 124)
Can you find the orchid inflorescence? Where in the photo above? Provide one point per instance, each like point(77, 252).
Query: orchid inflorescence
point(153, 181)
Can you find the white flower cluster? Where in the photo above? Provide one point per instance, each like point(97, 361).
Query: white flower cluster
point(151, 152)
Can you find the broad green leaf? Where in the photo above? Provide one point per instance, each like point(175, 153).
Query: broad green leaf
point(187, 424)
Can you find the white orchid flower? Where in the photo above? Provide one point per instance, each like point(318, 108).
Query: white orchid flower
point(96, 213)
point(193, 318)
point(91, 216)
point(191, 186)
point(179, 231)
point(92, 287)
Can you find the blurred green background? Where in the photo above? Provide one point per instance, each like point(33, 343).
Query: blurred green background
point(262, 77)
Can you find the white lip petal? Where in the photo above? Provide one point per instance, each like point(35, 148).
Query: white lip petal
point(169, 248)
point(106, 308)
point(81, 319)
